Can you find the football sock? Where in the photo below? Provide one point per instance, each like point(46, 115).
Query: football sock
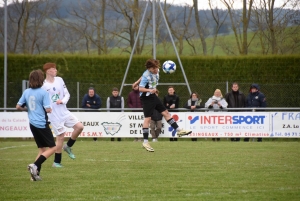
point(57, 158)
point(172, 123)
point(39, 162)
point(71, 142)
point(145, 134)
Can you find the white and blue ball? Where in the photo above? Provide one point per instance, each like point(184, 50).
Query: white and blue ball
point(169, 67)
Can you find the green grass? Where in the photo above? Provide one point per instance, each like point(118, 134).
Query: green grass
point(183, 170)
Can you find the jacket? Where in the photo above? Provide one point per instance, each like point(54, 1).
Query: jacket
point(191, 102)
point(133, 100)
point(174, 99)
point(256, 99)
point(232, 103)
point(115, 102)
point(94, 101)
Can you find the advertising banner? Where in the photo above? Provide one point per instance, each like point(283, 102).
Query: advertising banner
point(202, 124)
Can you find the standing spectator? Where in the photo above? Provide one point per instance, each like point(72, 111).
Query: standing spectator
point(171, 101)
point(91, 100)
point(255, 99)
point(134, 101)
point(235, 99)
point(216, 102)
point(60, 117)
point(193, 103)
point(38, 104)
point(115, 101)
point(156, 123)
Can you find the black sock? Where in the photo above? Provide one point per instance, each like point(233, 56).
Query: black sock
point(172, 123)
point(146, 133)
point(71, 142)
point(39, 162)
point(57, 158)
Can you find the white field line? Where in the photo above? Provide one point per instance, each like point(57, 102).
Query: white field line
point(12, 147)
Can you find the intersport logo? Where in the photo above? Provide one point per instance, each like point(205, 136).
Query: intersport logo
point(227, 119)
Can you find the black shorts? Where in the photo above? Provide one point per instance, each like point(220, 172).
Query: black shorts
point(150, 103)
point(43, 136)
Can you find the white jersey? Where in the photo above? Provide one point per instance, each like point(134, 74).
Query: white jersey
point(57, 91)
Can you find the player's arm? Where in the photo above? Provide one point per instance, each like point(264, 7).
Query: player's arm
point(48, 110)
point(66, 95)
point(137, 82)
point(21, 107)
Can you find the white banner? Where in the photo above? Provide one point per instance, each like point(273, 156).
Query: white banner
point(203, 124)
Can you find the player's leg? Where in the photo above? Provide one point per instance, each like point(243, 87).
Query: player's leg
point(158, 128)
point(172, 122)
point(72, 122)
point(43, 138)
point(59, 130)
point(148, 108)
point(152, 130)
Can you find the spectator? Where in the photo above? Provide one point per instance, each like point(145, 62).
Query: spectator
point(193, 103)
point(255, 99)
point(91, 101)
point(171, 101)
point(115, 101)
point(156, 123)
point(235, 99)
point(134, 101)
point(216, 102)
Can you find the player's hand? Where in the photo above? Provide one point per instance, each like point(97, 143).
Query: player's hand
point(58, 102)
point(88, 105)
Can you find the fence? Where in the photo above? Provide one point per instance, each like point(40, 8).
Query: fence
point(277, 95)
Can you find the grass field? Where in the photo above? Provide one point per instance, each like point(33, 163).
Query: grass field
point(183, 170)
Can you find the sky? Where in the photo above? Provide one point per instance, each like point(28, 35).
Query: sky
point(202, 3)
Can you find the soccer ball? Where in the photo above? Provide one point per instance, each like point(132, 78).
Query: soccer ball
point(169, 67)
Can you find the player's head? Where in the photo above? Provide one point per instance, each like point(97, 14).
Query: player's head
point(36, 79)
point(50, 68)
point(152, 65)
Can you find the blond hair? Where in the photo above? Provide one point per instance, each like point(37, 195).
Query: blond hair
point(218, 90)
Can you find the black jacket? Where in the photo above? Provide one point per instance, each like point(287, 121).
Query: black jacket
point(239, 102)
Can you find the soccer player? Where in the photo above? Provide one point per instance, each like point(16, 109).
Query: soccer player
point(60, 117)
point(147, 86)
point(37, 104)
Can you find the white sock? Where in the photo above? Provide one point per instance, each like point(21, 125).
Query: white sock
point(145, 140)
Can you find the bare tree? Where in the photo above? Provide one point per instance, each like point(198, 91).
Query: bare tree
point(179, 27)
point(273, 26)
point(199, 28)
point(241, 36)
point(219, 19)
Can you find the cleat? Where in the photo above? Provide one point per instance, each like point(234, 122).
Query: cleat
point(33, 172)
point(147, 146)
point(182, 132)
point(57, 165)
point(69, 151)
point(38, 178)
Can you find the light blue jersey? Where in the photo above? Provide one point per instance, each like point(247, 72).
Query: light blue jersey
point(36, 100)
point(149, 81)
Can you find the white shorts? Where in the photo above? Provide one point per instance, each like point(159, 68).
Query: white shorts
point(59, 128)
